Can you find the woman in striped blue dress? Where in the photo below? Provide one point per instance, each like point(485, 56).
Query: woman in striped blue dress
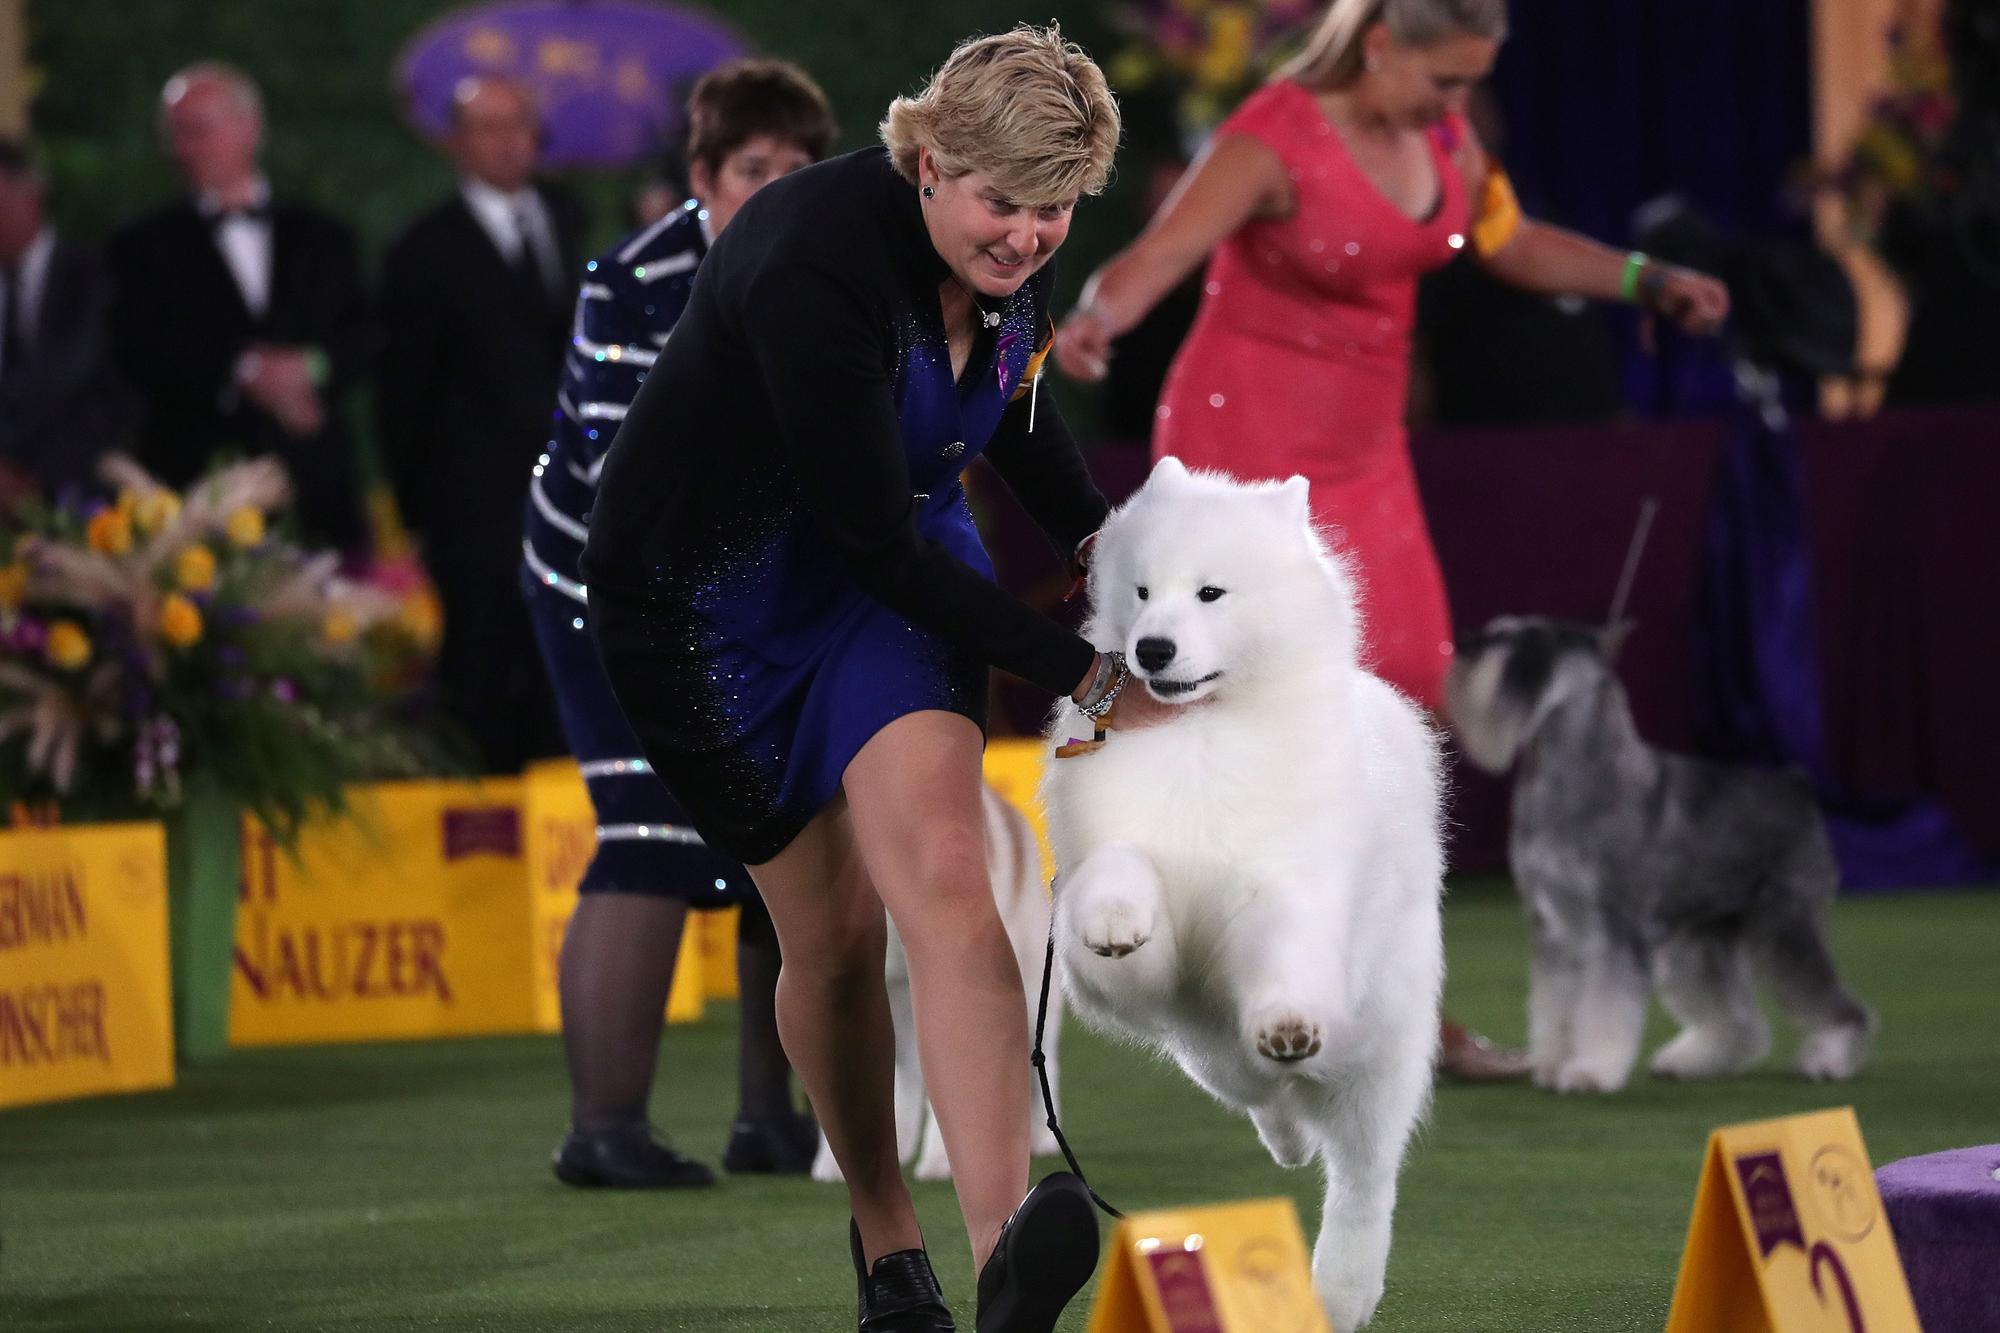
point(749, 122)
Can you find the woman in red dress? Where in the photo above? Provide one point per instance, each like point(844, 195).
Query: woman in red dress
point(1318, 205)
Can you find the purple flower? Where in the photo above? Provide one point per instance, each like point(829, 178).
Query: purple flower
point(28, 636)
point(284, 691)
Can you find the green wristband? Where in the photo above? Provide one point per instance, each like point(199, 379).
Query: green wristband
point(1635, 264)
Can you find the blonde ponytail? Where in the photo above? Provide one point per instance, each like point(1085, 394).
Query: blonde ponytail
point(1333, 57)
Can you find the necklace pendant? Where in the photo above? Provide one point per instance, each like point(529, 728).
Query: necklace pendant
point(990, 318)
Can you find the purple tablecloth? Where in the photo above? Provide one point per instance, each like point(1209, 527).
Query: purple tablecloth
point(1945, 1210)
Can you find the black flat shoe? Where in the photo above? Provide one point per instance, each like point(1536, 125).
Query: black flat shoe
point(772, 1147)
point(1046, 1254)
point(900, 1294)
point(627, 1157)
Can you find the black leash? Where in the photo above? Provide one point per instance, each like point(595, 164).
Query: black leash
point(1041, 1064)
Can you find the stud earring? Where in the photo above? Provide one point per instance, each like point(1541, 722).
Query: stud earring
point(929, 193)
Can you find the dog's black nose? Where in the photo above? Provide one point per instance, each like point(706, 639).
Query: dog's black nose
point(1153, 654)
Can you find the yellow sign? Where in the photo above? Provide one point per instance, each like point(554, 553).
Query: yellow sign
point(1233, 1268)
point(561, 838)
point(411, 920)
point(1789, 1235)
point(718, 951)
point(1014, 769)
point(84, 1000)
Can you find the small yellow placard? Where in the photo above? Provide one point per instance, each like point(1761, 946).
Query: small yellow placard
point(84, 1001)
point(1789, 1235)
point(1232, 1268)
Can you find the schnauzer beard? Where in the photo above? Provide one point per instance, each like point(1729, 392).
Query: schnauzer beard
point(1489, 725)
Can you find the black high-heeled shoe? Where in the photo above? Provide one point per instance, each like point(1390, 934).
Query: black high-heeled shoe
point(1047, 1252)
point(900, 1294)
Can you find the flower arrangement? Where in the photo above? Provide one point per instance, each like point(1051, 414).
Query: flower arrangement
point(145, 638)
point(1897, 153)
point(1214, 50)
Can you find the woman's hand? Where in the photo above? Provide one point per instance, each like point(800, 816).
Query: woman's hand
point(1133, 708)
point(1695, 302)
point(1136, 708)
point(1083, 344)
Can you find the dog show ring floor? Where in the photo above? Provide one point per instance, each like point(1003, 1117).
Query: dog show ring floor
point(407, 1186)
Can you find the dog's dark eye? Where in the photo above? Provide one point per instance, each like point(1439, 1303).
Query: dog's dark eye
point(1210, 593)
point(1143, 592)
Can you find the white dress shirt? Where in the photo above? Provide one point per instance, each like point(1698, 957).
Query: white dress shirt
point(245, 243)
point(21, 303)
point(514, 220)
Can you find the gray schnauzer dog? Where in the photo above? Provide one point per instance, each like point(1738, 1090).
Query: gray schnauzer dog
point(1639, 867)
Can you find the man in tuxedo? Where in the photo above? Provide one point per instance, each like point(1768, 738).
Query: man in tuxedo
point(62, 404)
point(474, 311)
point(242, 319)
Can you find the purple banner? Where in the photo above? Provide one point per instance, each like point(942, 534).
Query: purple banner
point(1185, 1297)
point(1768, 1195)
point(494, 831)
point(611, 75)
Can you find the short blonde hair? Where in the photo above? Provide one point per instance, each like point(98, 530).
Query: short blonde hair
point(1333, 57)
point(1025, 107)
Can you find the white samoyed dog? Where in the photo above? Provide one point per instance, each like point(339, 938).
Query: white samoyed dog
point(1014, 864)
point(1253, 888)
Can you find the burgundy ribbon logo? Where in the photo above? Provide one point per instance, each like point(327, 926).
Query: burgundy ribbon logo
point(1185, 1299)
point(1769, 1196)
point(493, 831)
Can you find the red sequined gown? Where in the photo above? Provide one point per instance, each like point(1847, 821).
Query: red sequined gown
point(1299, 362)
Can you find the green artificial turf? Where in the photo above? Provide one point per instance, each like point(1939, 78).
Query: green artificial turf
point(406, 1186)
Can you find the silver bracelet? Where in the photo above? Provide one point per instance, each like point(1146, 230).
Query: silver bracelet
point(1104, 690)
point(1100, 675)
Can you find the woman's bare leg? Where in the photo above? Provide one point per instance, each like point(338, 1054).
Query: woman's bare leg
point(914, 796)
point(833, 1015)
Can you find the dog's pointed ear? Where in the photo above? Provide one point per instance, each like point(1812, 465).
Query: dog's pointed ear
point(1296, 495)
point(1612, 638)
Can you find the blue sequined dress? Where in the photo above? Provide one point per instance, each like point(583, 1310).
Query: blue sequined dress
point(781, 558)
point(632, 295)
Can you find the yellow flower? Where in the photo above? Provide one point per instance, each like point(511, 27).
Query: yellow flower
point(246, 526)
point(13, 586)
point(180, 621)
point(194, 569)
point(340, 626)
point(110, 532)
point(158, 509)
point(128, 503)
point(68, 646)
point(1227, 58)
point(422, 619)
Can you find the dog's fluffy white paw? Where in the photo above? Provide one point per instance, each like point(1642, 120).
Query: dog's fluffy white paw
point(1703, 1053)
point(1114, 926)
point(1834, 1054)
point(1582, 1076)
point(1289, 1142)
point(935, 1164)
point(825, 1170)
point(1350, 1303)
point(1284, 1034)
